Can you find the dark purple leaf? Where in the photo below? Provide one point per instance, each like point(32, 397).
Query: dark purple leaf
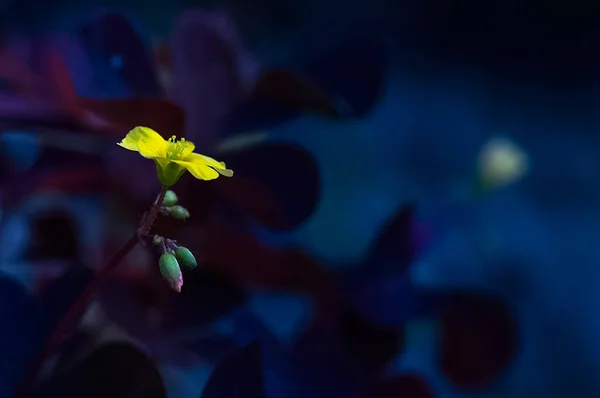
point(111, 40)
point(478, 339)
point(155, 315)
point(213, 349)
point(114, 370)
point(394, 248)
point(390, 299)
point(19, 334)
point(159, 114)
point(258, 114)
point(322, 363)
point(354, 70)
point(405, 385)
point(287, 171)
point(238, 376)
point(208, 77)
point(206, 295)
point(82, 342)
point(54, 236)
point(62, 293)
point(372, 346)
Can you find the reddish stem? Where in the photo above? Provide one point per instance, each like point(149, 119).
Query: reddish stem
point(153, 212)
point(71, 318)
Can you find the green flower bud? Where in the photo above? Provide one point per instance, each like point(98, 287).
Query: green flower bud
point(185, 257)
point(157, 240)
point(169, 268)
point(170, 199)
point(179, 212)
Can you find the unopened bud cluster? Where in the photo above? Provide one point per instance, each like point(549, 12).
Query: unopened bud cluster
point(173, 257)
point(171, 208)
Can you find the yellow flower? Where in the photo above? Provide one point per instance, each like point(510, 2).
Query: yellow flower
point(172, 157)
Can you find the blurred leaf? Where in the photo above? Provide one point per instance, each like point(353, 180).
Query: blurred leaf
point(54, 236)
point(19, 151)
point(19, 334)
point(390, 299)
point(62, 293)
point(17, 76)
point(240, 375)
point(76, 180)
point(131, 303)
point(341, 351)
point(405, 385)
point(354, 70)
point(162, 320)
point(278, 373)
point(77, 346)
point(208, 68)
point(161, 115)
point(253, 198)
point(283, 315)
point(294, 91)
point(113, 370)
point(394, 248)
point(111, 41)
point(60, 163)
point(288, 172)
point(478, 339)
point(324, 367)
point(345, 81)
point(213, 349)
point(322, 354)
point(253, 264)
point(372, 346)
point(206, 295)
point(258, 114)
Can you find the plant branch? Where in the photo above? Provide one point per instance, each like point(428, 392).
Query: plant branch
point(150, 217)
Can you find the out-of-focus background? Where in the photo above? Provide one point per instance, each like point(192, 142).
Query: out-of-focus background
point(414, 211)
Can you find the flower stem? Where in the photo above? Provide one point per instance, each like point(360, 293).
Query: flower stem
point(71, 318)
point(150, 217)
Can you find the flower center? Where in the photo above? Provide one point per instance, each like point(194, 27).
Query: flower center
point(175, 148)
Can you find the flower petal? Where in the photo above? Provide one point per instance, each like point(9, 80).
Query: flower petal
point(136, 134)
point(199, 170)
point(186, 149)
point(128, 144)
point(153, 149)
point(208, 161)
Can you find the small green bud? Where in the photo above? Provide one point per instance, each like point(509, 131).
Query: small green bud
point(169, 268)
point(157, 240)
point(179, 212)
point(170, 199)
point(185, 257)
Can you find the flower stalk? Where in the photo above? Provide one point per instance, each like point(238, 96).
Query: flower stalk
point(150, 216)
